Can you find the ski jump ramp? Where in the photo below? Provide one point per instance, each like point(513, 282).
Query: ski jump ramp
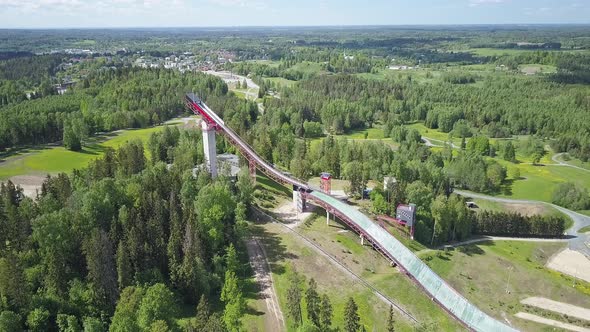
point(441, 292)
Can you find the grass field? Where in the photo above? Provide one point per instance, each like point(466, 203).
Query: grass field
point(533, 68)
point(373, 134)
point(308, 68)
point(477, 271)
point(547, 175)
point(280, 81)
point(269, 63)
point(434, 134)
point(57, 159)
point(538, 182)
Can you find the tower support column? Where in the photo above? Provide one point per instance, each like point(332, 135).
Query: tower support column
point(210, 148)
point(298, 200)
point(252, 169)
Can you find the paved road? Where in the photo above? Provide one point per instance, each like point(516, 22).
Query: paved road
point(428, 142)
point(555, 159)
point(577, 241)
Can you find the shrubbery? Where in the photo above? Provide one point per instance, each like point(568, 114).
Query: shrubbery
point(515, 224)
point(571, 196)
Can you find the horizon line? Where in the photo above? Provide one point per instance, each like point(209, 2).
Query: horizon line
point(298, 26)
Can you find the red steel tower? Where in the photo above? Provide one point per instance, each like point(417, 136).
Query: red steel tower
point(326, 182)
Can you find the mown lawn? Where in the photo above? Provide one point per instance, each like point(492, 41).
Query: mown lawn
point(538, 182)
point(59, 159)
point(434, 134)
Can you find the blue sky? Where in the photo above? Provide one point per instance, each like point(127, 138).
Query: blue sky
point(173, 13)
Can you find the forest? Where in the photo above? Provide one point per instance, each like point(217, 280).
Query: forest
point(105, 101)
point(122, 244)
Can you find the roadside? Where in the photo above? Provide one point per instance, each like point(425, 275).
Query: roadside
point(550, 322)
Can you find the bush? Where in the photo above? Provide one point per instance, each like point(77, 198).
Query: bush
point(571, 196)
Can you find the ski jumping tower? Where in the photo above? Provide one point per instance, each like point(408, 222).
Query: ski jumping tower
point(210, 148)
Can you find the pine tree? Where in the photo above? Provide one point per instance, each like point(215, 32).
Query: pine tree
point(232, 263)
point(509, 152)
point(102, 270)
point(351, 316)
point(202, 314)
point(326, 313)
point(123, 266)
point(390, 321)
point(234, 302)
point(312, 299)
point(294, 299)
point(174, 248)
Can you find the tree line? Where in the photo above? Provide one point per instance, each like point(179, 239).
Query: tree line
point(515, 224)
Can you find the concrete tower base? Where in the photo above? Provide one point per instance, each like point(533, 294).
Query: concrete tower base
point(210, 148)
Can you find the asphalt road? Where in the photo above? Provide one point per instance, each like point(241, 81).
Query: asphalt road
point(576, 241)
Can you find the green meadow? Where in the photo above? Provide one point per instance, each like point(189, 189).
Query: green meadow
point(49, 159)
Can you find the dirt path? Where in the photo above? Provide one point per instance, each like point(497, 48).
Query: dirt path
point(274, 320)
point(550, 322)
point(287, 212)
point(31, 184)
point(559, 307)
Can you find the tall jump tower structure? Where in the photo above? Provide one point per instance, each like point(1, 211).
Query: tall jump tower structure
point(211, 123)
point(210, 147)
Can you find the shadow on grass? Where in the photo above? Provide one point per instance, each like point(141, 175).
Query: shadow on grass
point(506, 187)
point(276, 251)
point(474, 249)
point(14, 152)
point(262, 180)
